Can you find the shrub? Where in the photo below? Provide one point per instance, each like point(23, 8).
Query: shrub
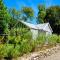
point(33, 44)
point(2, 51)
point(53, 39)
point(5, 50)
point(25, 47)
point(27, 35)
point(59, 39)
point(41, 39)
point(8, 51)
point(11, 39)
point(15, 52)
point(14, 39)
point(17, 39)
point(1, 39)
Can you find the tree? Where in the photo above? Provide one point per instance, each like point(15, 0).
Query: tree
point(3, 18)
point(15, 15)
point(27, 13)
point(41, 13)
point(53, 17)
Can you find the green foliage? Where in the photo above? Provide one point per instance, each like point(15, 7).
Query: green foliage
point(41, 13)
point(3, 17)
point(25, 47)
point(41, 39)
point(1, 38)
point(27, 36)
point(15, 51)
point(8, 50)
point(19, 40)
point(14, 13)
point(53, 39)
point(58, 41)
point(53, 17)
point(59, 38)
point(22, 33)
point(11, 39)
point(27, 12)
point(14, 16)
point(5, 50)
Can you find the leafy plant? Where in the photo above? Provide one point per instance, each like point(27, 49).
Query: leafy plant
point(5, 50)
point(41, 39)
point(53, 39)
point(25, 47)
point(15, 52)
point(58, 39)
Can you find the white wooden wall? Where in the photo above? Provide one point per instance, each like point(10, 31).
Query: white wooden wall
point(34, 34)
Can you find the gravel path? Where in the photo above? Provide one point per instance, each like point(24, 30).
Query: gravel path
point(49, 54)
point(53, 57)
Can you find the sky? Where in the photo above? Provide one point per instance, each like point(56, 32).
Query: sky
point(30, 3)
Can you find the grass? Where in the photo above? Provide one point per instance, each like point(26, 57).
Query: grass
point(17, 47)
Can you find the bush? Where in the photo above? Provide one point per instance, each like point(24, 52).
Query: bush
point(15, 52)
point(58, 39)
point(13, 39)
point(27, 35)
point(17, 47)
point(41, 39)
point(53, 39)
point(1, 39)
point(8, 51)
point(33, 44)
point(25, 47)
point(2, 51)
point(5, 50)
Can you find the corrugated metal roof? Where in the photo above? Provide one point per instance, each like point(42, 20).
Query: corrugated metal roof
point(38, 26)
point(41, 26)
point(29, 25)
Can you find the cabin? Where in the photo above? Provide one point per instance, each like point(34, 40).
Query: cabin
point(38, 29)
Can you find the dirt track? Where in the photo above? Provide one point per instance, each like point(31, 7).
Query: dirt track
point(53, 57)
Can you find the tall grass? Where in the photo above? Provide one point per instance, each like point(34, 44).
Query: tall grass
point(53, 39)
point(17, 46)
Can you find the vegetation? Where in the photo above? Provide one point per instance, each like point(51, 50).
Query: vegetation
point(53, 39)
point(18, 39)
point(19, 47)
point(41, 13)
point(14, 16)
point(53, 17)
point(3, 18)
point(27, 13)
